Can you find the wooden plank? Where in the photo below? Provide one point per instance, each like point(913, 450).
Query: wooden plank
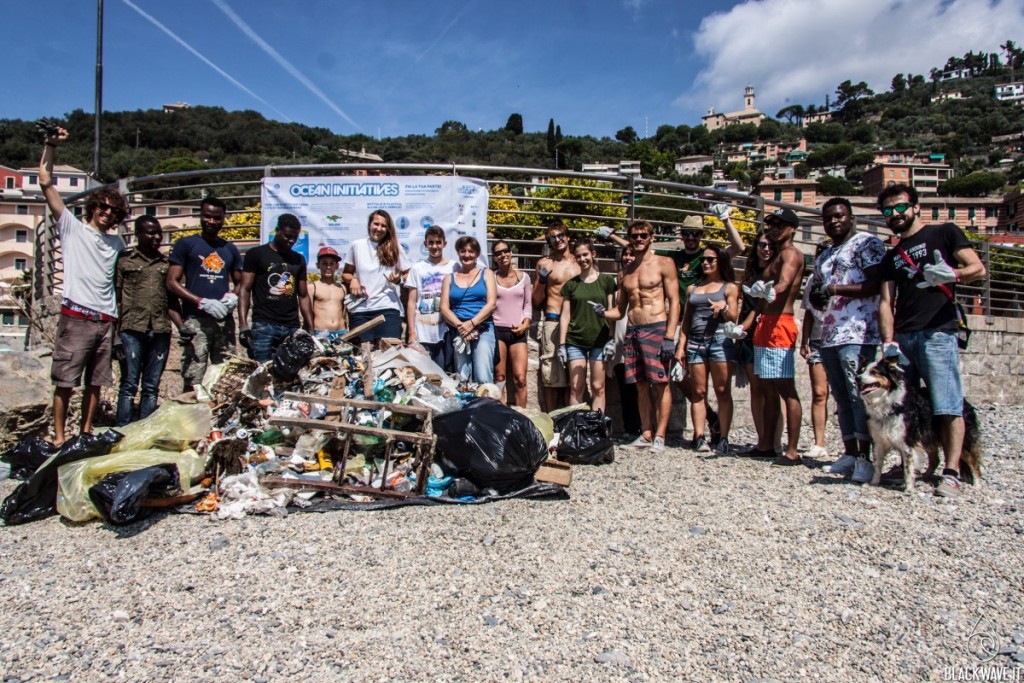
point(330, 487)
point(357, 403)
point(358, 330)
point(324, 426)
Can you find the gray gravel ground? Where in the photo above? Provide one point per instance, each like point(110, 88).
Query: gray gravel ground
point(660, 567)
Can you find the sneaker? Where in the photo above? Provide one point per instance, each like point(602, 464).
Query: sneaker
point(949, 487)
point(700, 444)
point(893, 476)
point(639, 442)
point(863, 471)
point(722, 447)
point(658, 445)
point(843, 465)
point(714, 427)
point(817, 451)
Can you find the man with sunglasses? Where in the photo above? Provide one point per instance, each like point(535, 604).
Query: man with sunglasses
point(553, 271)
point(918, 318)
point(85, 332)
point(650, 292)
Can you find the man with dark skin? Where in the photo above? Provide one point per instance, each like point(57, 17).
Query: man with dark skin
point(776, 334)
point(917, 316)
point(650, 291)
point(204, 274)
point(845, 288)
point(274, 286)
point(553, 271)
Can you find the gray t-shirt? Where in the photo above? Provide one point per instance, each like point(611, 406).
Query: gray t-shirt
point(90, 257)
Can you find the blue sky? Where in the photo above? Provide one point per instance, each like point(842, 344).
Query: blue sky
point(398, 67)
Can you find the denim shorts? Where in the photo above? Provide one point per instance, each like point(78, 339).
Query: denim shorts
point(580, 353)
point(935, 358)
point(717, 349)
point(814, 357)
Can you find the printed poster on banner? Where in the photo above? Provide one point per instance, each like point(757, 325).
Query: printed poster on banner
point(334, 210)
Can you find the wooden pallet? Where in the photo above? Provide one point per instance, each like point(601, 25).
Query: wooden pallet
point(341, 423)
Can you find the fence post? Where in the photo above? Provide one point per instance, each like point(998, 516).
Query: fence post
point(986, 287)
point(632, 198)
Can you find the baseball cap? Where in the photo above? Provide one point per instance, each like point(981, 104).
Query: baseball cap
point(327, 251)
point(785, 216)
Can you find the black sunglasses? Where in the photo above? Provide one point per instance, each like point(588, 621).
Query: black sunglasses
point(502, 252)
point(639, 236)
point(708, 259)
point(691, 233)
point(896, 208)
point(561, 237)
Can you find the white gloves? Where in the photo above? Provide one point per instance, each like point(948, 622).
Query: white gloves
point(599, 309)
point(603, 233)
point(723, 211)
point(563, 354)
point(214, 308)
point(609, 350)
point(230, 301)
point(761, 290)
point(676, 374)
point(734, 331)
point(542, 274)
point(938, 274)
point(460, 345)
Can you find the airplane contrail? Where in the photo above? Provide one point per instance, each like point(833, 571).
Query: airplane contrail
point(444, 31)
point(284, 63)
point(213, 66)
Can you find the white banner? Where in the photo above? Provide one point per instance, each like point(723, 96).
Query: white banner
point(334, 210)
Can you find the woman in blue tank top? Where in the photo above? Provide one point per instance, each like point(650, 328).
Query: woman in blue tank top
point(468, 297)
point(703, 346)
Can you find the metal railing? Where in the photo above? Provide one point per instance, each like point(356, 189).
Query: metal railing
point(580, 200)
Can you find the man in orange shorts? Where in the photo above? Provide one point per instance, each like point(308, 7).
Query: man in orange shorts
point(776, 335)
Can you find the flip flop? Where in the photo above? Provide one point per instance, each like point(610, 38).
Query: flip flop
point(783, 461)
point(755, 453)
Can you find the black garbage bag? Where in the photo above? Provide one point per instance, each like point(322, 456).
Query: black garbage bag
point(27, 455)
point(490, 444)
point(37, 497)
point(585, 437)
point(119, 495)
point(292, 355)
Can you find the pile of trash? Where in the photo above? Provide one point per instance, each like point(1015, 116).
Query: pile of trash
point(322, 426)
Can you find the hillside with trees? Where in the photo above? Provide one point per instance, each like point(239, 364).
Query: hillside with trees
point(957, 118)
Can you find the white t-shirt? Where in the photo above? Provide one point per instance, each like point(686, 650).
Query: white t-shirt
point(90, 257)
point(372, 275)
point(426, 278)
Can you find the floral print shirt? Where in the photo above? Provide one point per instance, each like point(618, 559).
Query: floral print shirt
point(852, 320)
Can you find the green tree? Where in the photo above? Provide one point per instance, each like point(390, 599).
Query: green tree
point(582, 207)
point(551, 137)
point(627, 135)
point(977, 184)
point(794, 113)
point(899, 84)
point(514, 124)
point(832, 187)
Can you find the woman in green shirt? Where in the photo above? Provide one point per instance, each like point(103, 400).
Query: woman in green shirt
point(583, 332)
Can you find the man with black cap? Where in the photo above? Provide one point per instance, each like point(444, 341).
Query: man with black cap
point(776, 335)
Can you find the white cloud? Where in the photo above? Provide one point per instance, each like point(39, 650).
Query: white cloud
point(796, 51)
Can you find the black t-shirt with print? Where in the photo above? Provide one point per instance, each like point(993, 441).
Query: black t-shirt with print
point(923, 308)
point(275, 294)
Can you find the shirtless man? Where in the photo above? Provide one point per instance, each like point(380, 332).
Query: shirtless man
point(328, 296)
point(553, 271)
point(776, 334)
point(650, 290)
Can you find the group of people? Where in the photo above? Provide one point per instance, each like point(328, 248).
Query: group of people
point(668, 315)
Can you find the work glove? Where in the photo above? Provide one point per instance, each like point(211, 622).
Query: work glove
point(668, 350)
point(677, 373)
point(891, 350)
point(245, 340)
point(460, 345)
point(723, 211)
point(185, 336)
point(542, 274)
point(562, 354)
point(609, 350)
point(599, 309)
point(761, 290)
point(938, 274)
point(604, 233)
point(819, 296)
point(230, 301)
point(734, 331)
point(213, 308)
point(117, 350)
